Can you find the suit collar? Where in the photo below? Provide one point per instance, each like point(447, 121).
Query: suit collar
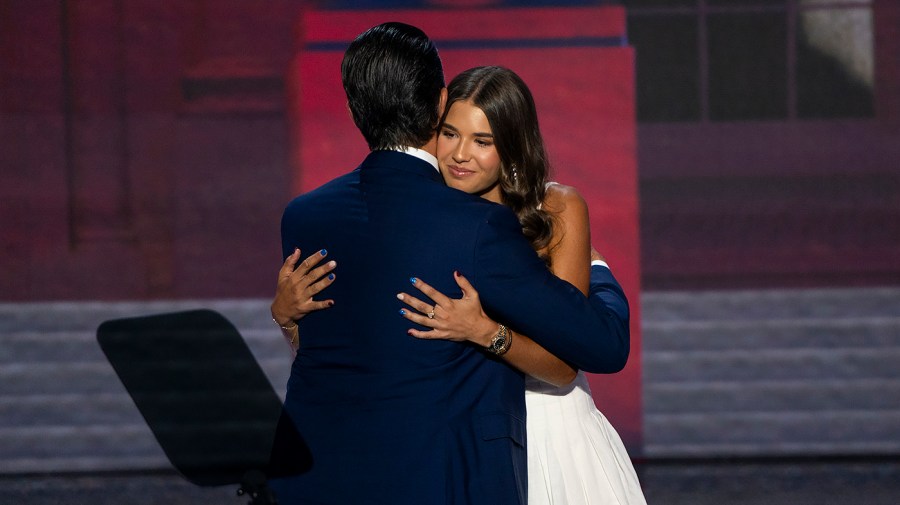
point(421, 154)
point(396, 160)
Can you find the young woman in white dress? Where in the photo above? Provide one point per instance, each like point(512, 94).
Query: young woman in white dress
point(490, 145)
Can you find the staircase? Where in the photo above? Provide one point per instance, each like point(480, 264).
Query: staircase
point(63, 409)
point(726, 373)
point(772, 373)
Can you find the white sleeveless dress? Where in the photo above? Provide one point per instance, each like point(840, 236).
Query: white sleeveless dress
point(575, 456)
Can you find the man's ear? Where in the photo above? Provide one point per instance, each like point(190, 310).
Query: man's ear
point(443, 103)
point(350, 112)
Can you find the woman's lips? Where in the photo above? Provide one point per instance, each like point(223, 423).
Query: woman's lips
point(456, 171)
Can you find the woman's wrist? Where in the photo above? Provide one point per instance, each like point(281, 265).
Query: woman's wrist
point(290, 331)
point(487, 330)
point(286, 322)
point(292, 335)
point(501, 341)
point(289, 328)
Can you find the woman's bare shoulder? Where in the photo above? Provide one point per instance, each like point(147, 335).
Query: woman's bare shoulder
point(561, 200)
point(569, 249)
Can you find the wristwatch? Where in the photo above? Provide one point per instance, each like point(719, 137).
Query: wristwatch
point(501, 342)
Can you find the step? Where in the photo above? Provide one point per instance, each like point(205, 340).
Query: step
point(71, 409)
point(769, 305)
point(771, 396)
point(841, 432)
point(88, 315)
point(63, 441)
point(94, 377)
point(73, 449)
point(787, 333)
point(771, 364)
point(30, 346)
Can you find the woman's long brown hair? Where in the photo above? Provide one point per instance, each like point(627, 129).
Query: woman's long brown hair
point(509, 107)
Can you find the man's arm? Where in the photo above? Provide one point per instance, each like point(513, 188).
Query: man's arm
point(514, 284)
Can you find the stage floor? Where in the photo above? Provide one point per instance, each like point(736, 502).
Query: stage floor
point(858, 481)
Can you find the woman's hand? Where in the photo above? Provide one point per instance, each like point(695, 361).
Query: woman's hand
point(449, 319)
point(296, 288)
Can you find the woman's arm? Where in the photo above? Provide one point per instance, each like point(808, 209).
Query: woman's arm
point(570, 259)
point(570, 247)
point(464, 319)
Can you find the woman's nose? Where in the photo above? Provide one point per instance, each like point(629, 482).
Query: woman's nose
point(460, 154)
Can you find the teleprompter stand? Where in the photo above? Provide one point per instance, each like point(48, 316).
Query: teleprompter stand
point(206, 400)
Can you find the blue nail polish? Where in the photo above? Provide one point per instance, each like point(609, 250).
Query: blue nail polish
point(412, 280)
point(331, 277)
point(323, 252)
point(402, 312)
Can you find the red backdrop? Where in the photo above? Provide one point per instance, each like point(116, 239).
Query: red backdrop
point(582, 76)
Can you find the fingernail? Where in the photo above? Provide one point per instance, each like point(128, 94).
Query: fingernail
point(402, 312)
point(331, 277)
point(332, 264)
point(330, 303)
point(412, 280)
point(323, 252)
point(400, 296)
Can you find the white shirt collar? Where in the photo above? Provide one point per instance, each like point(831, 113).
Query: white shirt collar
point(421, 154)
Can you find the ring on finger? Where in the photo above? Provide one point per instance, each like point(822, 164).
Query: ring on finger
point(431, 314)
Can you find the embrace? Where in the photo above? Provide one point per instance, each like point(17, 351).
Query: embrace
point(469, 294)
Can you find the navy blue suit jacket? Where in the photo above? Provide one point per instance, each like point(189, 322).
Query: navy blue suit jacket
point(392, 419)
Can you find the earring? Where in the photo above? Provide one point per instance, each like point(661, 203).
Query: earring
point(515, 175)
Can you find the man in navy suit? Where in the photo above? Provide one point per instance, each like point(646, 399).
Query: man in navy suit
point(389, 418)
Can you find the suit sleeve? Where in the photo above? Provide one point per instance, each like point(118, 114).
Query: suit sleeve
point(285, 233)
point(592, 332)
point(291, 223)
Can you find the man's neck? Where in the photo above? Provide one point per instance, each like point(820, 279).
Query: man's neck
point(421, 154)
point(427, 152)
point(431, 146)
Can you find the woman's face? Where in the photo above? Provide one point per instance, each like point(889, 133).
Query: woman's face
point(466, 152)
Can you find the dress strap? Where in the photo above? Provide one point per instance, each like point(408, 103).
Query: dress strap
point(546, 185)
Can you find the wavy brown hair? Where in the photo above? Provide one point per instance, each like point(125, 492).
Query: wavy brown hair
point(509, 107)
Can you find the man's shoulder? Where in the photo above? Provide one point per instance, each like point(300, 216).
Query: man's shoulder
point(486, 216)
point(503, 216)
point(474, 202)
point(328, 190)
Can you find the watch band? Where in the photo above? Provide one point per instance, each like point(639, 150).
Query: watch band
point(501, 342)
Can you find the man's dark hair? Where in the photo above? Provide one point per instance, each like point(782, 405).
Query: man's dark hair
point(393, 77)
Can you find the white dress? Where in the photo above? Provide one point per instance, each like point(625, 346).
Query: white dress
point(575, 456)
